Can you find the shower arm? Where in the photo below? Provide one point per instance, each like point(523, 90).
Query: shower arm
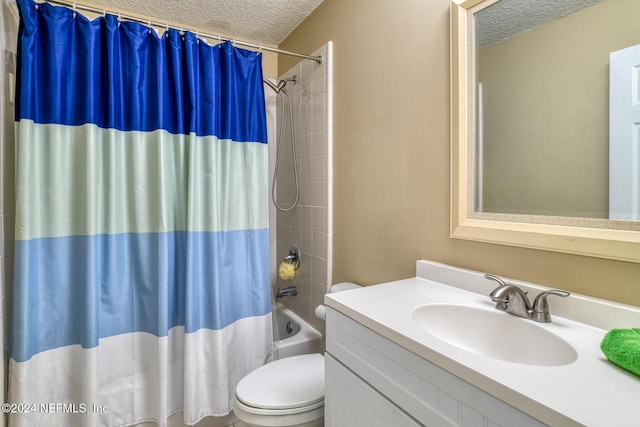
point(281, 84)
point(271, 85)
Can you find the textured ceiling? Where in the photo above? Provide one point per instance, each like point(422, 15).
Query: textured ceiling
point(508, 18)
point(266, 22)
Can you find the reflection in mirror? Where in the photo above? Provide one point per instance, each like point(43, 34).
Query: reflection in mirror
point(554, 106)
point(544, 136)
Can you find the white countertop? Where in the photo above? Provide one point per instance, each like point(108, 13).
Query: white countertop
point(590, 391)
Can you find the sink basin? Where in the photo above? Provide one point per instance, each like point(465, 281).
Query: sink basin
point(495, 334)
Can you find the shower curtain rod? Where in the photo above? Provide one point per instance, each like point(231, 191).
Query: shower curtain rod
point(167, 25)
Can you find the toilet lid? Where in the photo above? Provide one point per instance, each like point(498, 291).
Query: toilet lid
point(291, 382)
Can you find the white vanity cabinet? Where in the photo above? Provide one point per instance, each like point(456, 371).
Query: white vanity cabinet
point(371, 381)
point(353, 402)
point(388, 365)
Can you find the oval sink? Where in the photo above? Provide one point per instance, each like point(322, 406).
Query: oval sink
point(494, 334)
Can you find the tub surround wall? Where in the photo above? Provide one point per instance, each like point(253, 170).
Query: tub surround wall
point(391, 158)
point(309, 224)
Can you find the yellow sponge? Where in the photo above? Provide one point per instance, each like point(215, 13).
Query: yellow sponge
point(286, 271)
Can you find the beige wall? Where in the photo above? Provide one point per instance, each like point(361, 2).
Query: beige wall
point(270, 65)
point(549, 124)
point(391, 154)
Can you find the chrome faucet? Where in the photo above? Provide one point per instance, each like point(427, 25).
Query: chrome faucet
point(510, 298)
point(290, 291)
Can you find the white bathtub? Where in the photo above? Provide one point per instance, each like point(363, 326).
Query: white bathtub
point(292, 335)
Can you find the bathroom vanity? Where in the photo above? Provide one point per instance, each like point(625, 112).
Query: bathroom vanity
point(433, 350)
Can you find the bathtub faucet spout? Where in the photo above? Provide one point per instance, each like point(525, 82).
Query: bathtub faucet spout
point(290, 291)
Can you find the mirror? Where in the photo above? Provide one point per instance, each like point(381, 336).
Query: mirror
point(545, 143)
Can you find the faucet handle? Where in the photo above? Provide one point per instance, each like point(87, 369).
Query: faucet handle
point(540, 310)
point(502, 303)
point(500, 281)
point(495, 278)
point(500, 295)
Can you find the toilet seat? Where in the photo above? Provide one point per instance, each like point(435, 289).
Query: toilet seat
point(287, 386)
point(241, 407)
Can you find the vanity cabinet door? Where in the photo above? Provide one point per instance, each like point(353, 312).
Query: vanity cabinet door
point(351, 402)
point(425, 392)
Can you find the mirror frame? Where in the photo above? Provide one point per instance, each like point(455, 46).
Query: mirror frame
point(619, 240)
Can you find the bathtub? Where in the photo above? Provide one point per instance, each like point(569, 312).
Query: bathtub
point(292, 335)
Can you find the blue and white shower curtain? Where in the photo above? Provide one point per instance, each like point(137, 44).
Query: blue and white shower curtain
point(142, 269)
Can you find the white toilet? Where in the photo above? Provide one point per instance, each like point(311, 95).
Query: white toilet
point(288, 392)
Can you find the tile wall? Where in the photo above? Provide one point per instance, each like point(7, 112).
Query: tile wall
point(8, 33)
point(309, 224)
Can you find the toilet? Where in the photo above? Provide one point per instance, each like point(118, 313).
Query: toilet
point(288, 392)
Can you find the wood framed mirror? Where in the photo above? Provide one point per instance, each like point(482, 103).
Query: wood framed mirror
point(542, 214)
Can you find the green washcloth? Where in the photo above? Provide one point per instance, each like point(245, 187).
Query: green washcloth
point(622, 347)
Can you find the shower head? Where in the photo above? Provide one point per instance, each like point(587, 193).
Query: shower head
point(281, 84)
